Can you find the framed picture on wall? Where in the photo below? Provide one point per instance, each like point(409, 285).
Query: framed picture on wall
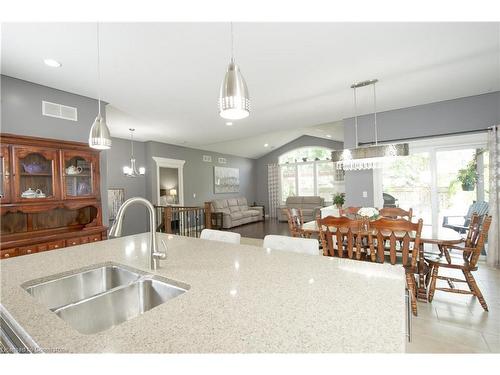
point(226, 180)
point(116, 197)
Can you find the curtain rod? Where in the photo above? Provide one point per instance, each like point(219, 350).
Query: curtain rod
point(396, 140)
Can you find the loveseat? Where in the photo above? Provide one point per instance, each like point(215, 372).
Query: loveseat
point(235, 211)
point(309, 205)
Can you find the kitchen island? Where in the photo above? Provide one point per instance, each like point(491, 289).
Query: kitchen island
point(241, 299)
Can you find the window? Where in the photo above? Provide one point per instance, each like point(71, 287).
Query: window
point(309, 172)
point(309, 153)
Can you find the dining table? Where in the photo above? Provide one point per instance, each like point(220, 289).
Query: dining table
point(443, 237)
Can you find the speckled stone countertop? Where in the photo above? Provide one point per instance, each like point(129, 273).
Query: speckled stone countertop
point(241, 299)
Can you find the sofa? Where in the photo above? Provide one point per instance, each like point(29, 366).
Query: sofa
point(235, 211)
point(310, 207)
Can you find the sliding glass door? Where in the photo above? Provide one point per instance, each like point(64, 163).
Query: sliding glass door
point(429, 179)
point(409, 181)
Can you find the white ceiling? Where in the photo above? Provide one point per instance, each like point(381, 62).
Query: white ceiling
point(163, 78)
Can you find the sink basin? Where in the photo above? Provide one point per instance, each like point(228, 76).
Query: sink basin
point(97, 299)
point(73, 288)
point(109, 309)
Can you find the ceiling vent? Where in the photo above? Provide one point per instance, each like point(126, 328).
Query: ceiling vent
point(59, 111)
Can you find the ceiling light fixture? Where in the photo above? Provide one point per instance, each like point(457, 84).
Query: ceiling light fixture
point(52, 63)
point(131, 171)
point(99, 137)
point(367, 157)
point(328, 136)
point(266, 144)
point(234, 101)
point(229, 123)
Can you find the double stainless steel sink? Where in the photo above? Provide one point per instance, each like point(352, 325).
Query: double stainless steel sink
point(104, 296)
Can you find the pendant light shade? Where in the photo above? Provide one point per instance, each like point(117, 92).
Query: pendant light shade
point(234, 101)
point(99, 137)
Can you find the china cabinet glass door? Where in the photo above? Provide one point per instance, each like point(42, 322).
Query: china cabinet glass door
point(5, 174)
point(35, 174)
point(78, 174)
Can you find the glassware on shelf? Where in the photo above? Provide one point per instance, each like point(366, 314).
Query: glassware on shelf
point(78, 172)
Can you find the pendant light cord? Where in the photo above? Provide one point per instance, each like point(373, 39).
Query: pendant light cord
point(232, 43)
point(355, 116)
point(98, 71)
point(375, 112)
point(132, 143)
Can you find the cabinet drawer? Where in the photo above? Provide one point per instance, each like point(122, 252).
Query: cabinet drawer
point(85, 239)
point(73, 241)
point(55, 245)
point(26, 250)
point(95, 237)
point(8, 253)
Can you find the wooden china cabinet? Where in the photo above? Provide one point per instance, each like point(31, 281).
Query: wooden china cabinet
point(49, 195)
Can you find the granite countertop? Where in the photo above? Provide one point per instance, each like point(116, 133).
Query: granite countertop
point(241, 299)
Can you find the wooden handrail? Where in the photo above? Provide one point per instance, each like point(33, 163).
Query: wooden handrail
point(208, 215)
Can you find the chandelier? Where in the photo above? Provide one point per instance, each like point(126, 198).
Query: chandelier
point(131, 171)
point(367, 157)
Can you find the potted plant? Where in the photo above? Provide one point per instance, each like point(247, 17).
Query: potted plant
point(339, 200)
point(468, 176)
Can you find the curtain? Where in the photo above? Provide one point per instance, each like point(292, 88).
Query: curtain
point(493, 257)
point(273, 186)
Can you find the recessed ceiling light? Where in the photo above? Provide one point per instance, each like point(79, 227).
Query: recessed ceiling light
point(229, 123)
point(328, 136)
point(52, 63)
point(266, 145)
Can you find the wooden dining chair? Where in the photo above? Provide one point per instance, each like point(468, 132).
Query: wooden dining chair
point(295, 221)
point(396, 213)
point(339, 237)
point(466, 263)
point(392, 232)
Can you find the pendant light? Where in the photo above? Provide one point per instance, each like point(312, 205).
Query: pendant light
point(131, 171)
point(99, 137)
point(367, 157)
point(234, 101)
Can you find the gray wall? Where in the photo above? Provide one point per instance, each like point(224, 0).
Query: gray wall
point(21, 113)
point(136, 219)
point(199, 175)
point(272, 157)
point(459, 115)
